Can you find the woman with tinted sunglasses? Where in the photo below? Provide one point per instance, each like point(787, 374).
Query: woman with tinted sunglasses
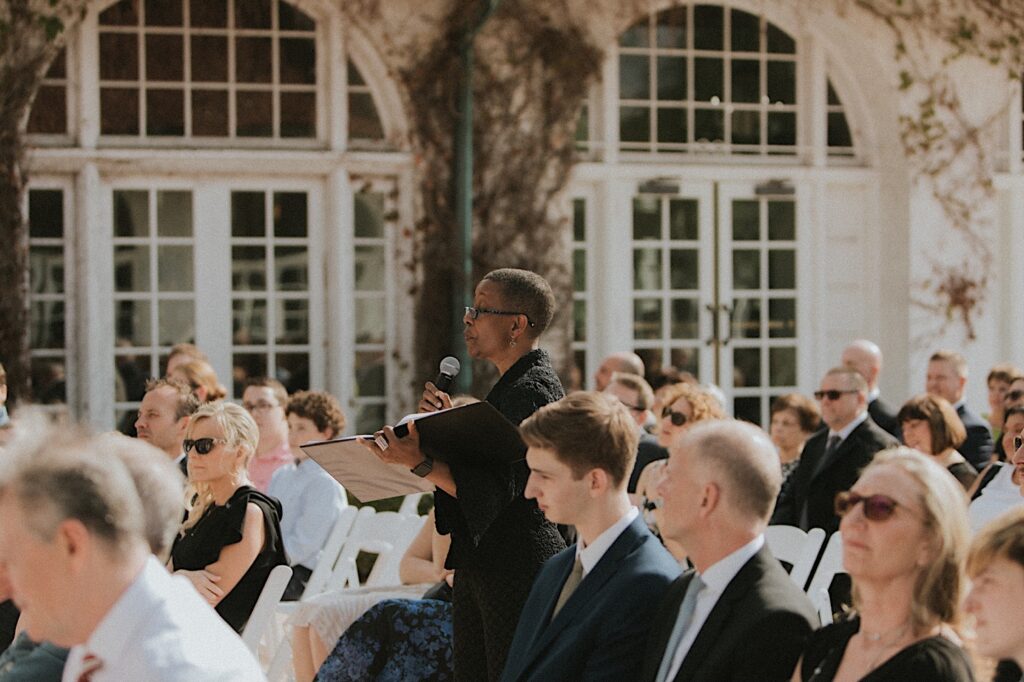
point(231, 538)
point(904, 533)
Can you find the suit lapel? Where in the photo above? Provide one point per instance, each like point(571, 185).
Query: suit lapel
point(844, 446)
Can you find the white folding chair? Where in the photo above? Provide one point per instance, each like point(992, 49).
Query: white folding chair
point(831, 563)
point(386, 534)
point(329, 556)
point(266, 605)
point(795, 547)
point(411, 504)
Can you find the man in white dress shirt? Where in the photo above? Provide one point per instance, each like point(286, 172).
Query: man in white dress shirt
point(737, 616)
point(73, 543)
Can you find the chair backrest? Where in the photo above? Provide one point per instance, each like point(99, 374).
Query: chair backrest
point(795, 547)
point(830, 564)
point(321, 575)
point(263, 612)
point(386, 534)
point(385, 569)
point(411, 504)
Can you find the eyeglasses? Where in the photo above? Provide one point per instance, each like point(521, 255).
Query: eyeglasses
point(261, 406)
point(1014, 395)
point(678, 418)
point(474, 313)
point(833, 394)
point(202, 445)
point(876, 507)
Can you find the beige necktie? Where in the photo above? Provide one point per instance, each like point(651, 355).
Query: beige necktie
point(571, 583)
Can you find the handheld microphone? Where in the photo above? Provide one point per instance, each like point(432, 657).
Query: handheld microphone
point(449, 370)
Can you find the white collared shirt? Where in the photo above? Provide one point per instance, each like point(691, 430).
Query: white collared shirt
point(161, 630)
point(592, 553)
point(845, 432)
point(716, 579)
point(873, 394)
point(311, 503)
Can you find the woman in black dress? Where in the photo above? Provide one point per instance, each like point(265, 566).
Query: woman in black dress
point(231, 538)
point(931, 426)
point(904, 531)
point(499, 538)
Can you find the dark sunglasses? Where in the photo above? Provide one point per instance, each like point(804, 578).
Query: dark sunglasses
point(833, 394)
point(876, 507)
point(202, 445)
point(678, 418)
point(1014, 395)
point(1017, 442)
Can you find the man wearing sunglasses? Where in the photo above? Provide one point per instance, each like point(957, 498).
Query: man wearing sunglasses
point(947, 377)
point(636, 395)
point(832, 458)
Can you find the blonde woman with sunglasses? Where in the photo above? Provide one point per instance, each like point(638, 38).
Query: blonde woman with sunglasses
point(904, 531)
point(231, 537)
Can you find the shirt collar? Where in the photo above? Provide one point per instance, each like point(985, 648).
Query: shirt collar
point(845, 432)
point(592, 553)
point(718, 576)
point(873, 394)
point(110, 637)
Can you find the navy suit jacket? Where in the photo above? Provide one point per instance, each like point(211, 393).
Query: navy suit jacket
point(978, 446)
point(647, 451)
point(601, 630)
point(885, 416)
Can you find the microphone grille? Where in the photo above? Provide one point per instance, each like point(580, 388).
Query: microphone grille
point(450, 366)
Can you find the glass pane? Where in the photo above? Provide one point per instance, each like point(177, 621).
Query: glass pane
point(119, 57)
point(671, 125)
point(672, 78)
point(255, 114)
point(130, 384)
point(709, 125)
point(779, 42)
point(290, 214)
point(246, 366)
point(686, 360)
point(209, 59)
point(46, 269)
point(647, 319)
point(683, 268)
point(746, 80)
point(370, 270)
point(165, 59)
point(48, 383)
point(253, 14)
point(59, 66)
point(45, 213)
point(124, 13)
point(369, 219)
point(746, 367)
point(579, 220)
point(174, 214)
point(782, 127)
point(782, 82)
point(634, 77)
point(370, 320)
point(298, 60)
point(131, 322)
point(782, 318)
point(685, 322)
point(747, 409)
point(781, 269)
point(291, 268)
point(579, 320)
point(782, 366)
point(292, 19)
point(745, 220)
point(833, 98)
point(119, 111)
point(292, 370)
point(131, 213)
point(651, 357)
point(636, 35)
point(579, 270)
point(163, 13)
point(839, 134)
point(746, 31)
point(176, 322)
point(647, 269)
point(671, 28)
point(746, 269)
point(292, 321)
point(708, 76)
point(682, 219)
point(208, 13)
point(646, 217)
point(249, 321)
point(363, 121)
point(165, 112)
point(298, 114)
point(583, 124)
point(210, 113)
point(369, 418)
point(46, 325)
point(708, 27)
point(579, 370)
point(781, 220)
point(634, 124)
point(131, 268)
point(174, 268)
point(370, 373)
point(248, 214)
point(746, 127)
point(49, 115)
point(746, 318)
point(248, 268)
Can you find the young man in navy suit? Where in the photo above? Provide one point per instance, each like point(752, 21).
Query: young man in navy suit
point(590, 608)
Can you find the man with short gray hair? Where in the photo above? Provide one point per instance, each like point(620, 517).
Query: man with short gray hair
point(736, 615)
point(947, 378)
point(73, 543)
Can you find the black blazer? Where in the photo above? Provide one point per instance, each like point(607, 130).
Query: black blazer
point(883, 415)
point(756, 630)
point(647, 451)
point(815, 482)
point(601, 630)
point(978, 446)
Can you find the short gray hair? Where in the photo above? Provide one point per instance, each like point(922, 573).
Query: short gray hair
point(742, 460)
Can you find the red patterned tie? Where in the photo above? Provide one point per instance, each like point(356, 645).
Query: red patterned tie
point(90, 664)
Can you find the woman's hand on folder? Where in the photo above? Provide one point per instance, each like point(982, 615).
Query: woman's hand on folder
point(434, 399)
point(405, 451)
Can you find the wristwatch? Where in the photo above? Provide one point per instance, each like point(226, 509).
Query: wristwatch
point(423, 468)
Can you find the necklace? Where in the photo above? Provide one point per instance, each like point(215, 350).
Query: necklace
point(890, 638)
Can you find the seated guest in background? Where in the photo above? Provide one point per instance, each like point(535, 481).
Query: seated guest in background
point(590, 607)
point(201, 376)
point(74, 533)
point(794, 418)
point(947, 378)
point(736, 615)
point(636, 395)
point(231, 538)
point(996, 567)
point(831, 459)
point(866, 357)
point(1015, 396)
point(1001, 485)
point(182, 353)
point(163, 417)
point(998, 381)
point(312, 501)
point(905, 538)
point(1013, 424)
point(624, 362)
point(265, 399)
point(929, 425)
point(663, 378)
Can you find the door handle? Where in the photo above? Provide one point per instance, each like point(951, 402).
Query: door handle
point(714, 339)
point(727, 309)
